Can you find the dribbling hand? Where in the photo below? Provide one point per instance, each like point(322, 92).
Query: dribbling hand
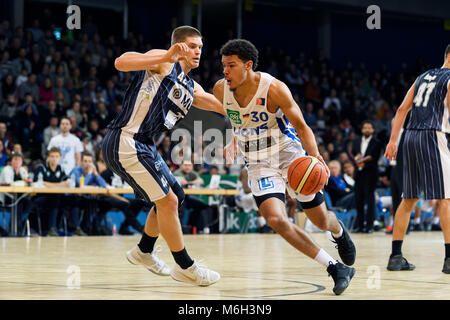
point(177, 52)
point(391, 151)
point(319, 157)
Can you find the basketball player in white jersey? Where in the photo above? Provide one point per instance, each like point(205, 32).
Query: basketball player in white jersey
point(160, 94)
point(261, 110)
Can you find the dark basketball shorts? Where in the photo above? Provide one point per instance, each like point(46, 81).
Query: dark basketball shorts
point(426, 165)
point(139, 164)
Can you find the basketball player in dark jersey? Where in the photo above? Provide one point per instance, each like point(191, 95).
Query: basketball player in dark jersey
point(159, 95)
point(426, 155)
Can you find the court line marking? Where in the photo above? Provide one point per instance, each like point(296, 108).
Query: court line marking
point(319, 288)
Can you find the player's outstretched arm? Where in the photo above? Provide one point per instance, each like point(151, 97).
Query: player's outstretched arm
point(206, 101)
point(280, 96)
point(153, 60)
point(399, 120)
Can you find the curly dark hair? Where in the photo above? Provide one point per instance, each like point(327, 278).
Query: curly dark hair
point(244, 49)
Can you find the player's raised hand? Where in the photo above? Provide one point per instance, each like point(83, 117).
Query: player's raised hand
point(177, 52)
point(391, 151)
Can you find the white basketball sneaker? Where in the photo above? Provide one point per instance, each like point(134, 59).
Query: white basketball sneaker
point(149, 260)
point(196, 274)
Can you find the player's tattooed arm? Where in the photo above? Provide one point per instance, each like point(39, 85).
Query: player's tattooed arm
point(206, 101)
point(280, 96)
point(399, 120)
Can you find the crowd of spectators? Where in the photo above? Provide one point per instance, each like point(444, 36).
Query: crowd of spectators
point(63, 93)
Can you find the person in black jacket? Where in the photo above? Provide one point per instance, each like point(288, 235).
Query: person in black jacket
point(366, 151)
point(53, 176)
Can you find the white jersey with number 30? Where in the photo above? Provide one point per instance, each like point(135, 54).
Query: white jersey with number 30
point(260, 133)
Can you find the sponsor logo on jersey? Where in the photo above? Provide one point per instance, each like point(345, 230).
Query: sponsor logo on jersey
point(177, 93)
point(235, 116)
point(246, 132)
point(181, 97)
point(172, 118)
point(260, 101)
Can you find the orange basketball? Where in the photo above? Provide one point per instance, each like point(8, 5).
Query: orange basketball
point(307, 175)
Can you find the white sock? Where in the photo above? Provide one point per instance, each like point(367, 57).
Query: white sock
point(324, 258)
point(417, 220)
point(435, 220)
point(338, 235)
point(261, 221)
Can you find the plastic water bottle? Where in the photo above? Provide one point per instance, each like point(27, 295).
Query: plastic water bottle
point(30, 179)
point(114, 230)
point(40, 181)
point(73, 181)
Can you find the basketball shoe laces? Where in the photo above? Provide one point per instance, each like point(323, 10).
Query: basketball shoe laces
point(202, 270)
point(159, 264)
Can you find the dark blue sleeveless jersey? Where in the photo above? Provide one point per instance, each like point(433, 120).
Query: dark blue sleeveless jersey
point(429, 110)
point(154, 103)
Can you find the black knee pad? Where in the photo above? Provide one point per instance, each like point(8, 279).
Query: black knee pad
point(260, 199)
point(176, 188)
point(317, 201)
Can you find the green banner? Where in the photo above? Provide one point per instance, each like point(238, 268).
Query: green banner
point(241, 222)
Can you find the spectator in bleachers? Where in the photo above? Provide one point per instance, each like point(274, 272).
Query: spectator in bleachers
point(6, 65)
point(37, 62)
point(46, 91)
point(102, 115)
point(21, 62)
point(69, 145)
point(8, 87)
point(3, 156)
point(200, 212)
point(21, 78)
point(76, 130)
point(49, 132)
point(349, 171)
point(312, 91)
point(59, 88)
point(28, 87)
point(165, 150)
point(340, 192)
point(8, 111)
point(187, 176)
point(75, 111)
point(309, 116)
point(54, 177)
point(86, 175)
point(28, 127)
point(10, 174)
point(44, 74)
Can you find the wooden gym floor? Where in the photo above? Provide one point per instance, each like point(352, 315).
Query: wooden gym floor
point(252, 266)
